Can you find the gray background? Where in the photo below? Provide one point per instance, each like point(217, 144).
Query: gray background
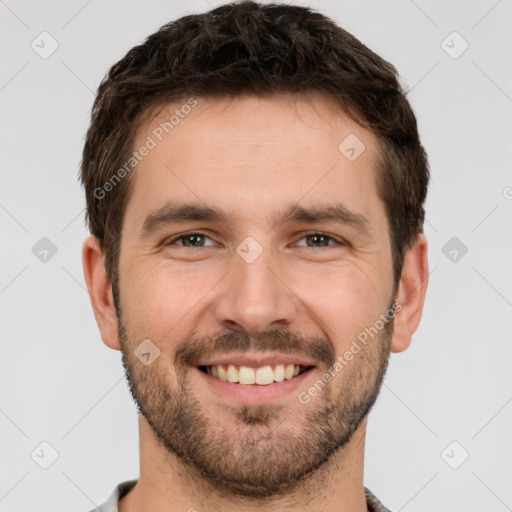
point(61, 385)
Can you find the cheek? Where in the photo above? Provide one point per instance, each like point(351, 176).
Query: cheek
point(343, 300)
point(161, 299)
point(166, 301)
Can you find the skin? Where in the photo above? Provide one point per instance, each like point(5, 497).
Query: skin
point(252, 157)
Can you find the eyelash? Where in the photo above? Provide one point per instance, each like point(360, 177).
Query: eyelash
point(304, 235)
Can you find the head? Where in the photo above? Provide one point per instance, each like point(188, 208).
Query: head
point(254, 128)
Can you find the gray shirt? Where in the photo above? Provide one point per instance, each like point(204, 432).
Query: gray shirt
point(111, 505)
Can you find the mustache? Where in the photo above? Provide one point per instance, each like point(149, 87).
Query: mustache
point(194, 349)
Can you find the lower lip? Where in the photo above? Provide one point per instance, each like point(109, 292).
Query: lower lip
point(254, 393)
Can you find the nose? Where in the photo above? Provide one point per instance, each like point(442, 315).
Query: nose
point(255, 297)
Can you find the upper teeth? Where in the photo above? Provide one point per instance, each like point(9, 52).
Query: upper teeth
point(248, 375)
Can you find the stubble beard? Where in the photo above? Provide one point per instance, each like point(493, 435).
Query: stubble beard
point(270, 449)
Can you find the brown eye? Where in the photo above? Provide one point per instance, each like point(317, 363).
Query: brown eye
point(194, 240)
point(318, 240)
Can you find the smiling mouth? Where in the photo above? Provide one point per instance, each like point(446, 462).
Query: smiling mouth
point(262, 376)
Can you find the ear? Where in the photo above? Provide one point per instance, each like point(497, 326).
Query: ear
point(411, 294)
point(100, 292)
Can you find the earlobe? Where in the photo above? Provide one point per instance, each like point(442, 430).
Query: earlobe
point(411, 294)
point(100, 292)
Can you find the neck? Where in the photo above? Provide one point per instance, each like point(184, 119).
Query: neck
point(167, 484)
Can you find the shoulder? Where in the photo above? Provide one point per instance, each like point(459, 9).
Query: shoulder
point(372, 502)
point(111, 505)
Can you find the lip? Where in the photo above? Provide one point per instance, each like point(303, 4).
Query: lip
point(254, 394)
point(257, 360)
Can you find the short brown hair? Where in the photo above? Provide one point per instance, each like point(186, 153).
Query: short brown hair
point(247, 48)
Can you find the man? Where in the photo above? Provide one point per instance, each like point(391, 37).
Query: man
point(255, 186)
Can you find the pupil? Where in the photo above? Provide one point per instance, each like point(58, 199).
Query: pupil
point(317, 237)
point(193, 238)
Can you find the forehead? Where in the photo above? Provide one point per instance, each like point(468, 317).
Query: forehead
point(302, 123)
point(282, 149)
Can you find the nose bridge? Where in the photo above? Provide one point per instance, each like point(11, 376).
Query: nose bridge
point(254, 297)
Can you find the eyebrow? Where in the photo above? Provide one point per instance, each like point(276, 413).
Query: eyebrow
point(172, 213)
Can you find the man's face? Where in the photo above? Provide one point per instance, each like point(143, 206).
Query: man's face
point(265, 286)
